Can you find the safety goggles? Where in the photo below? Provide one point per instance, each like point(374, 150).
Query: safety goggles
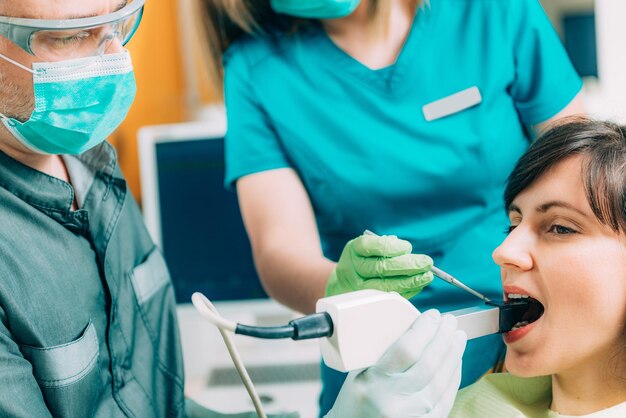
point(57, 40)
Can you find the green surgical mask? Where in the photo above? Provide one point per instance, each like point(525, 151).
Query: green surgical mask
point(78, 103)
point(315, 9)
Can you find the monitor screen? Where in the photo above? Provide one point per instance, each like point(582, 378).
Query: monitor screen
point(580, 42)
point(203, 238)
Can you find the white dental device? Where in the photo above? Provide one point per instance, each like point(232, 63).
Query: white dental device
point(355, 329)
point(367, 322)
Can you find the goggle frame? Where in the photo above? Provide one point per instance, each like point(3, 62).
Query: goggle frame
point(21, 30)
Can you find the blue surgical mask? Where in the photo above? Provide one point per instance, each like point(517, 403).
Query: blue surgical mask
point(78, 103)
point(315, 9)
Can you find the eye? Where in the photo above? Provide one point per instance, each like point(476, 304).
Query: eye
point(63, 39)
point(510, 229)
point(78, 37)
point(561, 230)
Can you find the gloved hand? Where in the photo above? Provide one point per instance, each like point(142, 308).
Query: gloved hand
point(418, 376)
point(380, 262)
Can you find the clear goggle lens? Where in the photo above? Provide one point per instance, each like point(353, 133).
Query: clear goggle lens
point(64, 44)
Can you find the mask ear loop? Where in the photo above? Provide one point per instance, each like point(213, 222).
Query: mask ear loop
point(23, 67)
point(8, 122)
point(3, 118)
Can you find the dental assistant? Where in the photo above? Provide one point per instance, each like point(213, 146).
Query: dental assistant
point(402, 117)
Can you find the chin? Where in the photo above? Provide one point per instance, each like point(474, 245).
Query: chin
point(521, 365)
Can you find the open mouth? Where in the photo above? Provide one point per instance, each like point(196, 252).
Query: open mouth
point(516, 313)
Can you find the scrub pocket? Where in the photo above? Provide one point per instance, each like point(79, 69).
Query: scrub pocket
point(151, 282)
point(156, 305)
point(68, 374)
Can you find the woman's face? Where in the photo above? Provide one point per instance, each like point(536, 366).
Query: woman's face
point(560, 254)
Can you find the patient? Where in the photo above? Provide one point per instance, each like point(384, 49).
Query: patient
point(566, 248)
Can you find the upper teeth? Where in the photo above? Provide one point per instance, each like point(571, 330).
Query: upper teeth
point(517, 296)
point(519, 325)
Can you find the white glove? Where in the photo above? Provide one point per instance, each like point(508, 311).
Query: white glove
point(418, 376)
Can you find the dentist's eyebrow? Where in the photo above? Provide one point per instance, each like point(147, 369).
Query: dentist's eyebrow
point(119, 7)
point(559, 204)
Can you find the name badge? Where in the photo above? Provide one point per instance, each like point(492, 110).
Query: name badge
point(452, 104)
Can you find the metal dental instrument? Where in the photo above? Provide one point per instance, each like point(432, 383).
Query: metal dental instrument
point(447, 277)
point(450, 279)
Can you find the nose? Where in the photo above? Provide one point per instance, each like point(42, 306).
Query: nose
point(514, 252)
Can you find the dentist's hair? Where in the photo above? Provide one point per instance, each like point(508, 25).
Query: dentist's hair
point(222, 22)
point(603, 148)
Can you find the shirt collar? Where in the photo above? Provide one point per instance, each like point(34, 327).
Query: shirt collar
point(53, 195)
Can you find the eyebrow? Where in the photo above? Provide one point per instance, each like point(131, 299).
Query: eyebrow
point(543, 208)
point(119, 7)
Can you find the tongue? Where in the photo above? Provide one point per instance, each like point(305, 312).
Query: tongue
point(534, 312)
point(518, 310)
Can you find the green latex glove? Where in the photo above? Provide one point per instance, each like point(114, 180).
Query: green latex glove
point(380, 262)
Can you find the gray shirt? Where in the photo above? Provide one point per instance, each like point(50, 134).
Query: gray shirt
point(87, 311)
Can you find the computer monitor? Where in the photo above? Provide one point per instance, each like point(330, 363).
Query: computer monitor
point(191, 216)
point(579, 30)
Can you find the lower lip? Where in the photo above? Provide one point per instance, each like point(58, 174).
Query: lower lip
point(513, 336)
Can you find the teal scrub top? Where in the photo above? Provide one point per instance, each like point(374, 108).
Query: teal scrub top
point(369, 159)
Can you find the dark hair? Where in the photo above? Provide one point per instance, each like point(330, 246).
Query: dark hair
point(603, 148)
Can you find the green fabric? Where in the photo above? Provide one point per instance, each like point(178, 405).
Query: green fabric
point(504, 395)
point(380, 262)
point(87, 313)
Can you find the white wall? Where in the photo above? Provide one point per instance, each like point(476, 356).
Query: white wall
point(605, 97)
point(608, 98)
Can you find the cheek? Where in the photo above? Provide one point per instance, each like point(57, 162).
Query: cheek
point(17, 98)
point(11, 75)
point(16, 76)
point(590, 287)
point(572, 289)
